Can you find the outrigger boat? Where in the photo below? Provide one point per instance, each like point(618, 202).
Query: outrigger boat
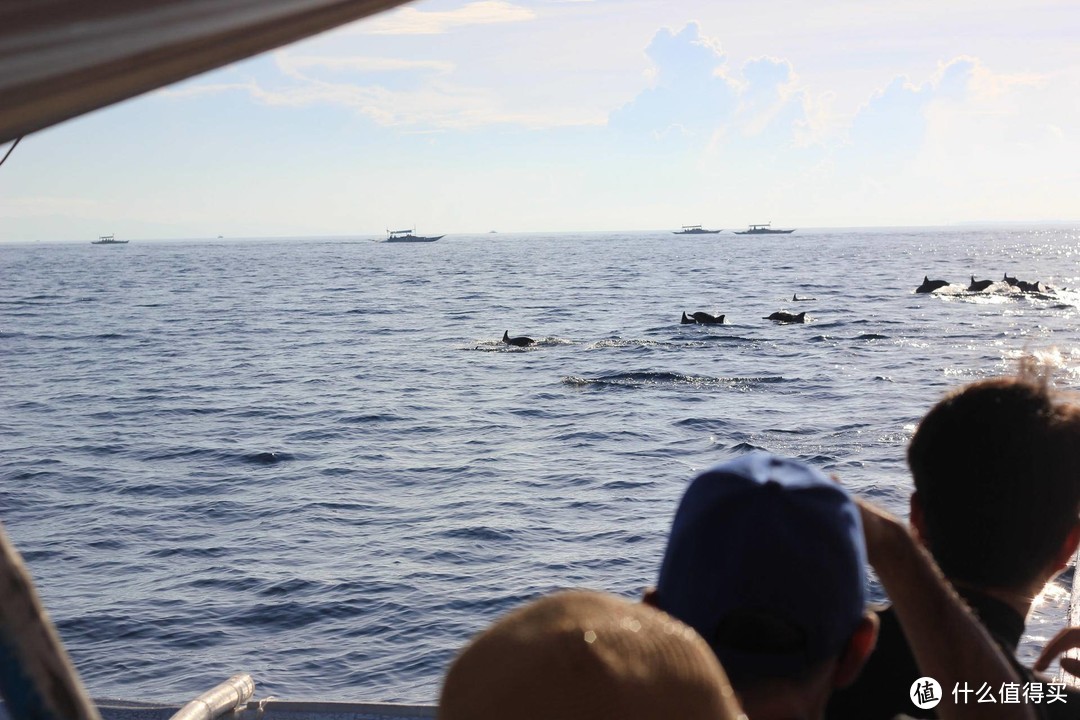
point(695, 230)
point(407, 236)
point(765, 229)
point(108, 240)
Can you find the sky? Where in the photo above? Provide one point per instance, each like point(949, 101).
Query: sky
point(464, 116)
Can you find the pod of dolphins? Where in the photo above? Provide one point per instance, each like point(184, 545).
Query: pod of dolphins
point(780, 316)
point(784, 317)
point(929, 286)
point(698, 318)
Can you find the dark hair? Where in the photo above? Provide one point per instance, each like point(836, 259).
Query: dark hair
point(759, 632)
point(996, 465)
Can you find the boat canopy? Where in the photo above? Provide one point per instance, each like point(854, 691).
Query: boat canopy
point(62, 58)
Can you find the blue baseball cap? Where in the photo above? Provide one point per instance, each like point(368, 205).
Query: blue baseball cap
point(766, 560)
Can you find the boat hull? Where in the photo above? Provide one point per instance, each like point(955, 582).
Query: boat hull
point(414, 239)
point(265, 710)
point(764, 232)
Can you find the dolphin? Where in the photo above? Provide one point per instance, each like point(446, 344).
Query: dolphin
point(796, 298)
point(979, 285)
point(786, 317)
point(1023, 286)
point(686, 320)
point(929, 286)
point(520, 341)
point(704, 318)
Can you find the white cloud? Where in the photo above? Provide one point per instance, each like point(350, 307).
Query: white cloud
point(293, 64)
point(410, 21)
point(689, 88)
point(965, 143)
point(435, 106)
point(768, 90)
point(988, 86)
point(1006, 121)
point(695, 90)
point(191, 90)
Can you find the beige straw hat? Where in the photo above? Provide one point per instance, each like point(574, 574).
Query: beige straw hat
point(583, 655)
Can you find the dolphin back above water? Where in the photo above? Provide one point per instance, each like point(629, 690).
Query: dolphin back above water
point(929, 286)
point(702, 318)
point(786, 317)
point(705, 318)
point(1024, 286)
point(979, 285)
point(520, 341)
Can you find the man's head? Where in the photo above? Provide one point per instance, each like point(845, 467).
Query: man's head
point(587, 656)
point(996, 466)
point(766, 560)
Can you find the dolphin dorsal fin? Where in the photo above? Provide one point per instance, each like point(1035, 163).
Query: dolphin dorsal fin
point(802, 315)
point(926, 278)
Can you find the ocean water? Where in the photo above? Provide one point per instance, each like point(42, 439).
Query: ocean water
point(313, 460)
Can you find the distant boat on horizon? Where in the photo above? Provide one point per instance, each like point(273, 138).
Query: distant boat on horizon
point(108, 240)
point(764, 229)
point(396, 236)
point(695, 230)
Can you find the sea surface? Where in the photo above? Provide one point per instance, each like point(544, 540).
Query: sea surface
point(313, 460)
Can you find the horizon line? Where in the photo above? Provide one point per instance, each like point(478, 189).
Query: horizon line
point(960, 225)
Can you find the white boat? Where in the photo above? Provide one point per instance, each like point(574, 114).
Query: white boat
point(408, 236)
point(763, 229)
point(108, 240)
point(695, 230)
